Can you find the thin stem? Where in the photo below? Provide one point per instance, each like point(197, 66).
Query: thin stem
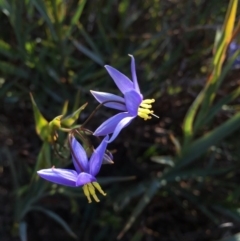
point(98, 107)
point(57, 152)
point(83, 139)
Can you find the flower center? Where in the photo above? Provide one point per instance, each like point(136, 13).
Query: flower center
point(144, 110)
point(89, 190)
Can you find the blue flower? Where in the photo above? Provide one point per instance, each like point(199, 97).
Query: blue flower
point(85, 170)
point(131, 103)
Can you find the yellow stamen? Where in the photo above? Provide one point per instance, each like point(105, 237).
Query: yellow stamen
point(87, 193)
point(89, 190)
point(148, 101)
point(147, 106)
point(92, 192)
point(98, 187)
point(144, 111)
point(144, 116)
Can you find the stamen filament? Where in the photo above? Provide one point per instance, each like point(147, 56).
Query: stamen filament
point(155, 115)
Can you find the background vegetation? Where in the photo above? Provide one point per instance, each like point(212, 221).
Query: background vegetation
point(174, 178)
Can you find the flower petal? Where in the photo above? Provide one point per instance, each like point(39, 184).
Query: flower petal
point(107, 158)
point(79, 156)
point(122, 81)
point(133, 99)
point(60, 176)
point(134, 76)
point(123, 123)
point(96, 159)
point(108, 126)
point(84, 178)
point(103, 96)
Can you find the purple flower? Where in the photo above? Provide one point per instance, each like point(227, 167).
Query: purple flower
point(85, 170)
point(131, 103)
point(233, 47)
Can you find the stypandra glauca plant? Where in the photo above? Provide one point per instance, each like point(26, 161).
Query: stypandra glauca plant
point(63, 138)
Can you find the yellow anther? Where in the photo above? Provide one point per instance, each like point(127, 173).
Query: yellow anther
point(98, 187)
point(92, 192)
point(144, 111)
point(147, 106)
point(87, 193)
point(144, 116)
point(89, 190)
point(148, 101)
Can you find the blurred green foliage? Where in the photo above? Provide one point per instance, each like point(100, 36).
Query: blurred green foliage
point(171, 176)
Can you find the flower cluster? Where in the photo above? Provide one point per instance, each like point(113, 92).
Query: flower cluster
point(131, 105)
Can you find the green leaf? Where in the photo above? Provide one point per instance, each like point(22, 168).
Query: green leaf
point(56, 218)
point(90, 54)
point(165, 160)
point(65, 108)
point(77, 101)
point(76, 16)
point(189, 118)
point(201, 145)
point(147, 197)
point(226, 35)
point(8, 68)
point(192, 198)
point(6, 50)
point(235, 237)
point(43, 159)
point(233, 213)
point(210, 92)
point(40, 5)
point(218, 106)
point(78, 12)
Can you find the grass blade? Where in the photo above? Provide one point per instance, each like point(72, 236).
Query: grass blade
point(202, 144)
point(93, 56)
point(147, 197)
point(56, 218)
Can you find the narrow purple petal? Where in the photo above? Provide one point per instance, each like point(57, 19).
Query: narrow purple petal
point(84, 178)
point(79, 156)
point(133, 99)
point(60, 176)
point(108, 126)
point(123, 123)
point(103, 96)
point(134, 76)
point(122, 81)
point(96, 159)
point(107, 158)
